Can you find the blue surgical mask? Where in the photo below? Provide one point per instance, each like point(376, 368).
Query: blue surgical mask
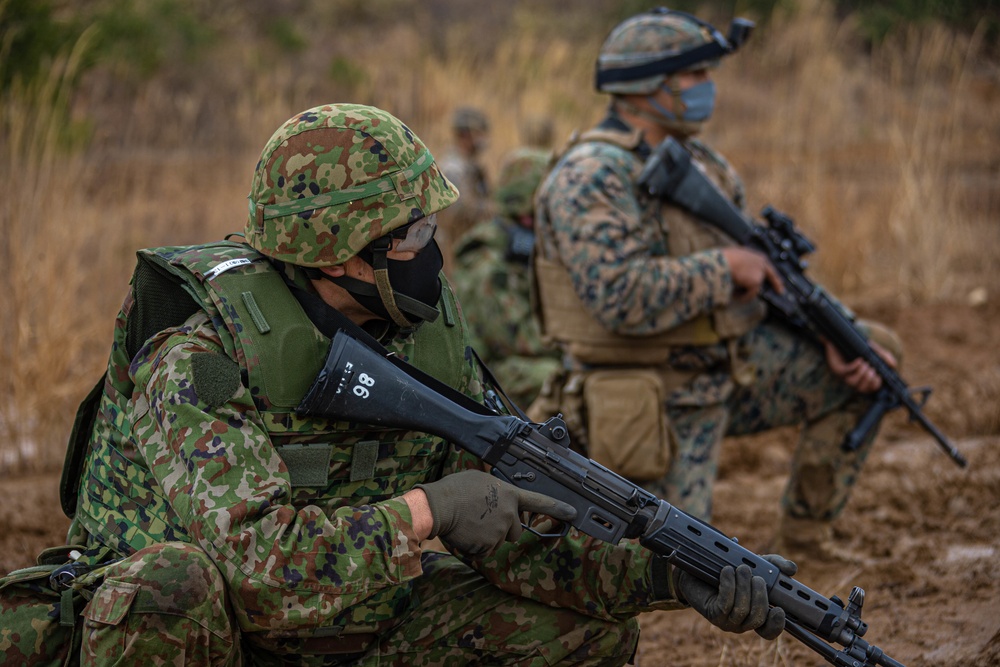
point(699, 102)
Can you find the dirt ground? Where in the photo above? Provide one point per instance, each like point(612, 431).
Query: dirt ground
point(926, 531)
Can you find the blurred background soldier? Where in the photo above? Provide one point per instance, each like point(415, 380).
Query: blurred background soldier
point(493, 283)
point(666, 346)
point(461, 165)
point(537, 131)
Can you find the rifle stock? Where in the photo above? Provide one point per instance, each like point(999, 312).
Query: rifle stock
point(670, 175)
point(361, 385)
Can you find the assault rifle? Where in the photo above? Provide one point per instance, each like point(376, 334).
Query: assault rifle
point(670, 175)
point(361, 384)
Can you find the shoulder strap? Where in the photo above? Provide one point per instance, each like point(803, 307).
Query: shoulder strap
point(76, 449)
point(630, 141)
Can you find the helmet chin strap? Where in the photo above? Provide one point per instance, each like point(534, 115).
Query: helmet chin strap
point(418, 277)
point(380, 263)
point(370, 296)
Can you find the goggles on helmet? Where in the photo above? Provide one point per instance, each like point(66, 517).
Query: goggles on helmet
point(716, 47)
point(416, 235)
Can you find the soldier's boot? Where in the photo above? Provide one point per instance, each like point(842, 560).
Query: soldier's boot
point(804, 540)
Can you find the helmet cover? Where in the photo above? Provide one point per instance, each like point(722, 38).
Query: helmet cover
point(660, 36)
point(336, 177)
point(521, 172)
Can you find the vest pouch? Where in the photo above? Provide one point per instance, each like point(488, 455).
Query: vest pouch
point(40, 624)
point(627, 428)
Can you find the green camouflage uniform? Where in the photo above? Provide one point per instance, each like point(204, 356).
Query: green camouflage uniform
point(466, 172)
point(247, 534)
point(493, 282)
point(615, 243)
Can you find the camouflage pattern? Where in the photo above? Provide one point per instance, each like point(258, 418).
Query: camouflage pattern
point(647, 38)
point(30, 612)
point(335, 177)
point(616, 244)
point(174, 592)
point(787, 384)
point(305, 570)
point(520, 173)
point(171, 592)
point(494, 285)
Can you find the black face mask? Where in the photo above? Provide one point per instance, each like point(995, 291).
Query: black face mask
point(415, 279)
point(413, 286)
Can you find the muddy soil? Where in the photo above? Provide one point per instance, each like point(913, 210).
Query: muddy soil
point(925, 532)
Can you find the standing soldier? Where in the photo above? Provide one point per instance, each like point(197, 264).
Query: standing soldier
point(461, 165)
point(493, 281)
point(668, 348)
point(219, 523)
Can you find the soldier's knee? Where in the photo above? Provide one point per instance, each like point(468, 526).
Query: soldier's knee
point(184, 575)
point(170, 578)
point(605, 643)
point(168, 598)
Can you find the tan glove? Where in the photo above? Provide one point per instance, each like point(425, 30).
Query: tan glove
point(474, 512)
point(740, 601)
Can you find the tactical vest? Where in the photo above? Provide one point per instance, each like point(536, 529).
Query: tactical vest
point(279, 352)
point(565, 320)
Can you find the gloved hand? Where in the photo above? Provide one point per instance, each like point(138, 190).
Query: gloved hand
point(740, 602)
point(474, 512)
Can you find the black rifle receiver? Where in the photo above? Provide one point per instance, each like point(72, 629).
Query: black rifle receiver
point(361, 385)
point(669, 174)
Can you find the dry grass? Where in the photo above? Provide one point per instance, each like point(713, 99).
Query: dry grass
point(51, 266)
point(888, 160)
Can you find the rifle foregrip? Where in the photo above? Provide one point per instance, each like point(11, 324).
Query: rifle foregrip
point(702, 551)
point(856, 437)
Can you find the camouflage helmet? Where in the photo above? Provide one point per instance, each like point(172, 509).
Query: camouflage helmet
point(336, 177)
point(643, 50)
point(521, 172)
point(469, 119)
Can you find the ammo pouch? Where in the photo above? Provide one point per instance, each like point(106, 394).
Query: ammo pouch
point(40, 612)
point(626, 421)
point(616, 416)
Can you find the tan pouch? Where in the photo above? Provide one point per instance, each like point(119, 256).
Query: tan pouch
point(548, 402)
point(627, 428)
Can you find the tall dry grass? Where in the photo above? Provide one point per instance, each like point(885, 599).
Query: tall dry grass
point(50, 267)
point(887, 159)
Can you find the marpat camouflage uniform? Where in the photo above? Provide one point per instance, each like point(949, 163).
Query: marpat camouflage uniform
point(615, 243)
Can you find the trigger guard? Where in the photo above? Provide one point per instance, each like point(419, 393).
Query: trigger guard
point(531, 518)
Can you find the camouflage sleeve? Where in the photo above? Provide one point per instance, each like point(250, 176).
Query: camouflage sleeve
point(286, 567)
point(616, 252)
